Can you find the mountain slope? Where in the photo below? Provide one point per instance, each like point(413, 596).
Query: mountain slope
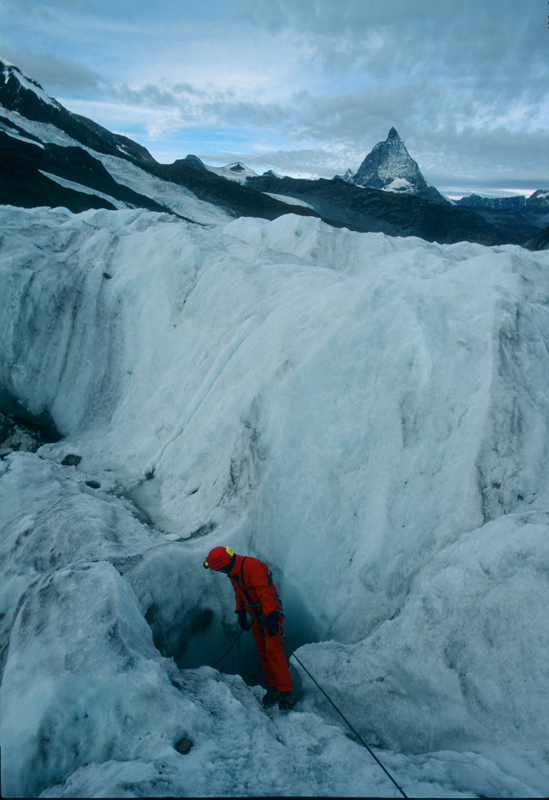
point(374, 210)
point(534, 209)
point(103, 169)
point(540, 241)
point(23, 166)
point(20, 93)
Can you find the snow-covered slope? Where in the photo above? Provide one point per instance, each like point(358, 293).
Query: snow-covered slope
point(367, 414)
point(52, 157)
point(23, 86)
point(123, 172)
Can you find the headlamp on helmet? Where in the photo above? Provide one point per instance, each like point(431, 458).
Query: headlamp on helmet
point(218, 558)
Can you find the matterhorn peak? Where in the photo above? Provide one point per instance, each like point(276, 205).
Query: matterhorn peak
point(390, 166)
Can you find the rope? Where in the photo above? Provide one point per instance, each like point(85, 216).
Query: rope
point(344, 718)
point(359, 737)
point(182, 666)
point(230, 648)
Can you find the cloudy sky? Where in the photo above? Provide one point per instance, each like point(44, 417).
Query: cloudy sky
point(305, 87)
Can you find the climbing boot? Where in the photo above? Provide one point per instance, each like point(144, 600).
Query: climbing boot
point(271, 697)
point(286, 702)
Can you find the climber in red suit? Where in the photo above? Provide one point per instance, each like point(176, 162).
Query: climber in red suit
point(256, 595)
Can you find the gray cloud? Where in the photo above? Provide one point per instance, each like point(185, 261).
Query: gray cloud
point(472, 54)
point(60, 75)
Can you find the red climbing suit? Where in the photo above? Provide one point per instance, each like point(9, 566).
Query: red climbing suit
point(255, 592)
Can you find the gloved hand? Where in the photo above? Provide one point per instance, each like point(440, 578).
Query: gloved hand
point(243, 620)
point(272, 623)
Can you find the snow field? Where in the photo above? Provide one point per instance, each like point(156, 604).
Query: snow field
point(366, 414)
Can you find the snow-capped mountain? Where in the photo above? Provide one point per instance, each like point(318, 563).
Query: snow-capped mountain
point(347, 176)
point(236, 171)
point(389, 166)
point(28, 101)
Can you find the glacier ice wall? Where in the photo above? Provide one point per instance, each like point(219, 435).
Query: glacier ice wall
point(287, 383)
point(355, 409)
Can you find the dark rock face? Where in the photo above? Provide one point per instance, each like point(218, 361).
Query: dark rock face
point(515, 227)
point(540, 241)
point(241, 201)
point(477, 201)
point(22, 182)
point(20, 93)
point(390, 166)
point(192, 161)
point(19, 435)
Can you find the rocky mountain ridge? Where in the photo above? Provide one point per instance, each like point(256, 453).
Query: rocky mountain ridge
point(50, 156)
point(535, 209)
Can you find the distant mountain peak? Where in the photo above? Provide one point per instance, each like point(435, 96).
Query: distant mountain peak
point(390, 166)
point(347, 177)
point(192, 161)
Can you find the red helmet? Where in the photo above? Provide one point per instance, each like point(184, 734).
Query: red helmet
point(218, 557)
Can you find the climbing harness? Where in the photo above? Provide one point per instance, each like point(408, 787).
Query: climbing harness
point(359, 737)
point(256, 617)
point(245, 588)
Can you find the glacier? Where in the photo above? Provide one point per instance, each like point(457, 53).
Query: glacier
point(367, 414)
